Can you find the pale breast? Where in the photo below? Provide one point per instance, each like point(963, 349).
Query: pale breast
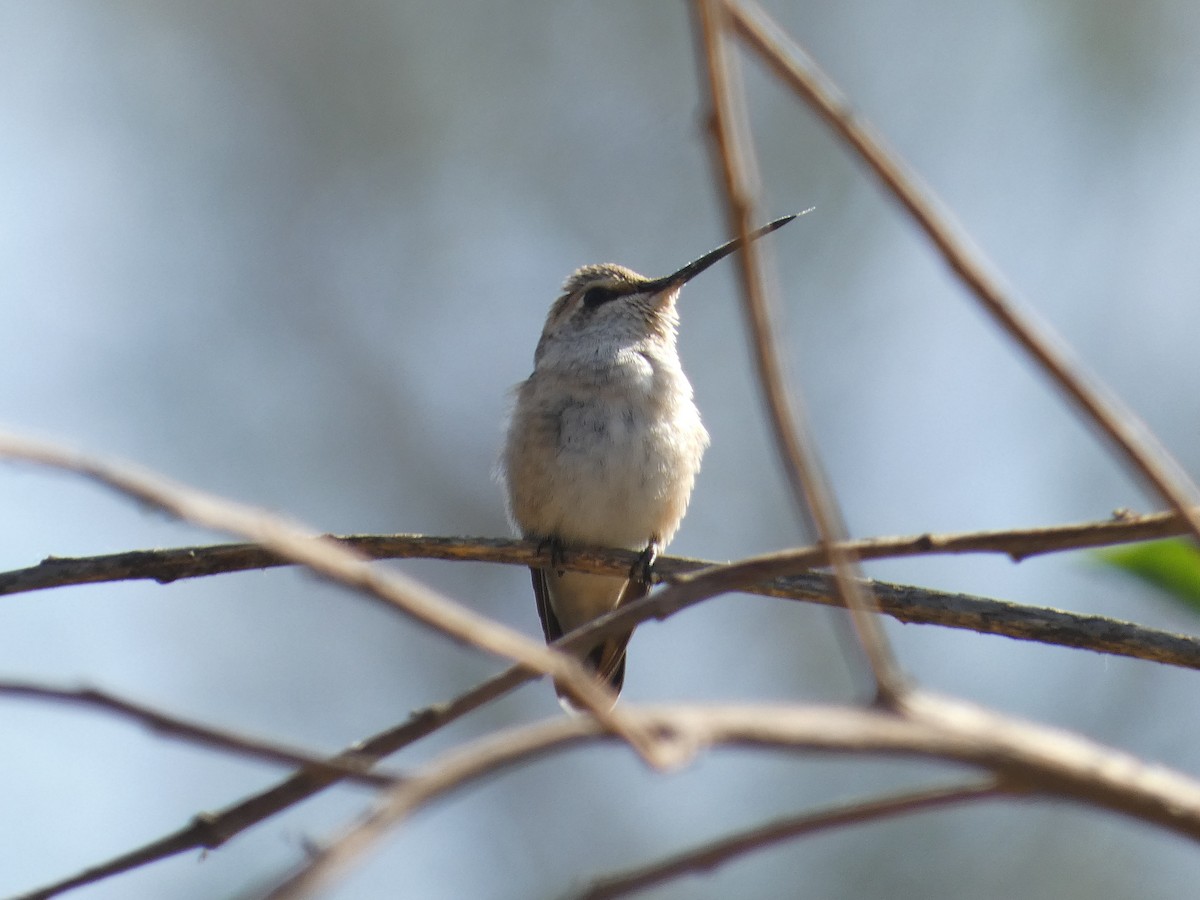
point(599, 466)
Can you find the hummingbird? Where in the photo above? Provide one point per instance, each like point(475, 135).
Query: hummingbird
point(604, 442)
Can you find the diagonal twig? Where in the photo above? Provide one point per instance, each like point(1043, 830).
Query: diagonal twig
point(346, 767)
point(810, 488)
point(342, 565)
point(208, 831)
point(1126, 433)
point(708, 856)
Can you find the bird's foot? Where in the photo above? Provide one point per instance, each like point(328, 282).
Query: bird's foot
point(555, 546)
point(643, 569)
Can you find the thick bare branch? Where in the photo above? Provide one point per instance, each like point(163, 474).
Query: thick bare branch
point(1025, 757)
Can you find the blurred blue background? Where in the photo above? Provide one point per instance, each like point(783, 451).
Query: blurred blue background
point(296, 253)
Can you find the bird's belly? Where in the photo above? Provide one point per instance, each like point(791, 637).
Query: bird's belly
point(619, 477)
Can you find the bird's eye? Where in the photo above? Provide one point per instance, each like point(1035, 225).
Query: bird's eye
point(596, 296)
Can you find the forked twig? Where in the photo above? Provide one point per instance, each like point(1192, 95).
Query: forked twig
point(209, 831)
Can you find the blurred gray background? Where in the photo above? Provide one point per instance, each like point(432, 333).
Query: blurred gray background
point(296, 253)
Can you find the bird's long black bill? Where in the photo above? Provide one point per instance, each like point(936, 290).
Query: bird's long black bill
point(696, 266)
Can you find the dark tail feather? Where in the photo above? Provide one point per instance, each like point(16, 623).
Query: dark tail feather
point(608, 662)
point(607, 659)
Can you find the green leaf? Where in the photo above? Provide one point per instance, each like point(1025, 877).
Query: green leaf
point(1172, 566)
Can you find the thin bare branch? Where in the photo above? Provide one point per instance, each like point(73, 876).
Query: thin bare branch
point(209, 831)
point(349, 767)
point(734, 152)
point(165, 566)
point(1127, 434)
point(709, 856)
point(135, 859)
point(1026, 757)
point(342, 565)
point(767, 575)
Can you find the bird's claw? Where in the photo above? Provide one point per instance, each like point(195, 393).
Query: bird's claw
point(555, 546)
point(643, 569)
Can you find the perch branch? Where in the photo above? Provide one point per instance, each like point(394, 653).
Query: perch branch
point(769, 575)
point(165, 566)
